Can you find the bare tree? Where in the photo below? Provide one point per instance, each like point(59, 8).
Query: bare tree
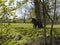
point(44, 19)
point(24, 16)
point(55, 12)
point(52, 24)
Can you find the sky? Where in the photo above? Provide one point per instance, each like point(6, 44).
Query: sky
point(26, 8)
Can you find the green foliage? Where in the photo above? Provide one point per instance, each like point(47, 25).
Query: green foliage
point(6, 10)
point(20, 33)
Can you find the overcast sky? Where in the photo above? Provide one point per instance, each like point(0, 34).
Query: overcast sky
point(26, 7)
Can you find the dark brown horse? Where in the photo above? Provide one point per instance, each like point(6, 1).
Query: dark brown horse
point(37, 23)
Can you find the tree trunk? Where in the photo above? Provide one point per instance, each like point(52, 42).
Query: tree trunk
point(54, 18)
point(44, 19)
point(24, 18)
point(51, 33)
point(37, 9)
point(55, 13)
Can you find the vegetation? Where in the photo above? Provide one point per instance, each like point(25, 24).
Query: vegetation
point(20, 33)
point(13, 33)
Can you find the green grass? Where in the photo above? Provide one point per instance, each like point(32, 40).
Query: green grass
point(25, 31)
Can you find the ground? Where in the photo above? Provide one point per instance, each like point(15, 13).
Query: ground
point(20, 33)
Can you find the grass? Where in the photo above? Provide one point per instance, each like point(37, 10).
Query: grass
point(19, 33)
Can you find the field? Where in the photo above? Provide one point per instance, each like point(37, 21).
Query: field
point(20, 33)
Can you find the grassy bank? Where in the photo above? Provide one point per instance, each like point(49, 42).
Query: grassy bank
point(19, 33)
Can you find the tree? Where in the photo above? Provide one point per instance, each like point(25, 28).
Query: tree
point(4, 13)
point(52, 24)
point(55, 16)
point(44, 19)
point(37, 10)
point(24, 16)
